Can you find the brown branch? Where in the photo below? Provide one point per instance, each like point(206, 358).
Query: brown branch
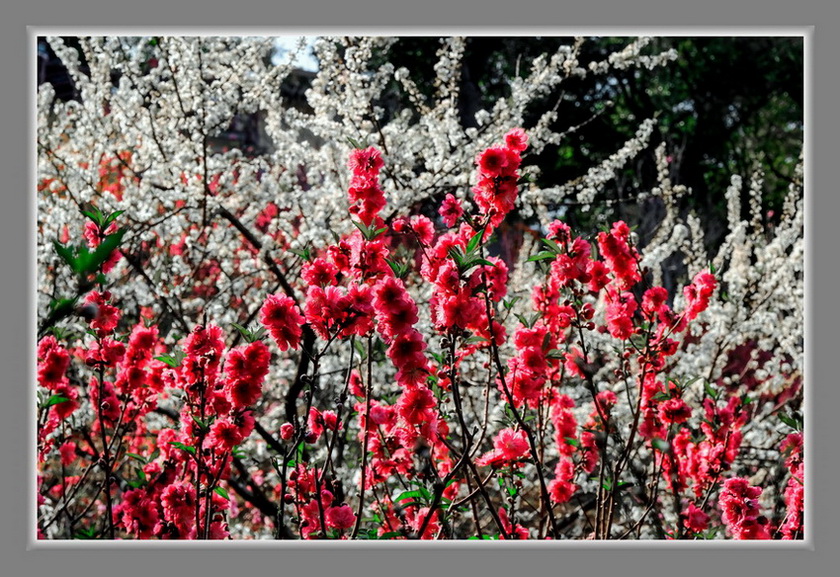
point(308, 336)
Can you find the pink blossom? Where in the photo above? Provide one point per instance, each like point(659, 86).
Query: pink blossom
point(450, 210)
point(341, 517)
point(280, 315)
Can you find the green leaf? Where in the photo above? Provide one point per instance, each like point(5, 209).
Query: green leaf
point(88, 262)
point(66, 253)
point(421, 493)
point(571, 441)
point(137, 457)
point(169, 360)
point(390, 535)
point(360, 348)
point(553, 246)
point(183, 447)
point(465, 266)
point(690, 382)
point(112, 217)
point(88, 533)
point(95, 215)
point(711, 391)
point(62, 334)
point(508, 303)
point(246, 333)
point(362, 227)
point(63, 304)
point(55, 400)
point(355, 143)
point(476, 339)
point(399, 270)
point(789, 421)
point(474, 241)
point(199, 422)
point(222, 492)
point(660, 445)
point(368, 232)
point(302, 253)
point(456, 255)
point(542, 255)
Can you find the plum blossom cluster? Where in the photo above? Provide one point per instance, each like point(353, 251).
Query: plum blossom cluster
point(412, 428)
point(291, 344)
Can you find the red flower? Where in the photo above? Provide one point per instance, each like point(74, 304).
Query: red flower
point(287, 431)
point(341, 517)
point(224, 436)
point(366, 161)
point(138, 514)
point(514, 531)
point(105, 317)
point(509, 446)
point(281, 316)
point(178, 502)
point(674, 411)
point(53, 364)
point(565, 423)
point(244, 393)
point(695, 520)
point(450, 210)
point(68, 453)
point(109, 403)
point(248, 362)
point(739, 505)
point(319, 272)
point(492, 161)
point(92, 236)
point(416, 405)
point(562, 488)
point(654, 303)
point(619, 313)
point(517, 140)
point(697, 294)
point(620, 257)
